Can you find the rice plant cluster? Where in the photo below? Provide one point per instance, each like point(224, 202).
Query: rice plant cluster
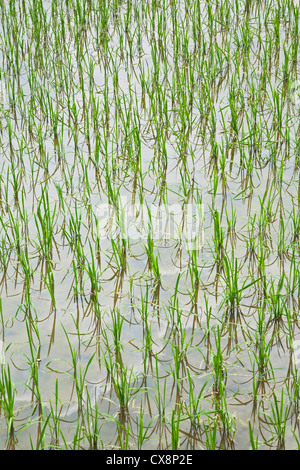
point(116, 331)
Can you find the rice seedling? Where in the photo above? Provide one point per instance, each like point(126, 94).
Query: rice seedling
point(218, 368)
point(122, 379)
point(78, 375)
point(160, 395)
point(7, 399)
point(233, 293)
point(142, 429)
point(92, 428)
point(253, 441)
point(163, 105)
point(54, 414)
point(175, 424)
point(211, 436)
point(278, 419)
point(193, 408)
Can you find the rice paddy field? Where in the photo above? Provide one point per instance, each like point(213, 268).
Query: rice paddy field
point(149, 224)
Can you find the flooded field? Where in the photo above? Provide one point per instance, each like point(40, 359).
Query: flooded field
point(149, 224)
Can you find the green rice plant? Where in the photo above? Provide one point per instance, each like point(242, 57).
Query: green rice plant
point(296, 437)
point(15, 230)
point(295, 219)
point(211, 435)
point(263, 349)
point(153, 261)
point(195, 275)
point(117, 324)
point(147, 346)
point(78, 437)
point(160, 395)
point(278, 420)
point(49, 282)
point(227, 420)
point(215, 183)
point(54, 415)
point(231, 223)
point(33, 360)
point(7, 399)
point(28, 273)
point(276, 300)
point(92, 428)
point(119, 254)
point(179, 355)
point(218, 238)
point(293, 388)
point(142, 429)
point(41, 440)
point(218, 367)
point(124, 444)
point(78, 375)
point(163, 103)
point(175, 428)
point(193, 408)
point(94, 277)
point(122, 380)
point(45, 225)
point(253, 441)
point(2, 321)
point(233, 292)
point(232, 106)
